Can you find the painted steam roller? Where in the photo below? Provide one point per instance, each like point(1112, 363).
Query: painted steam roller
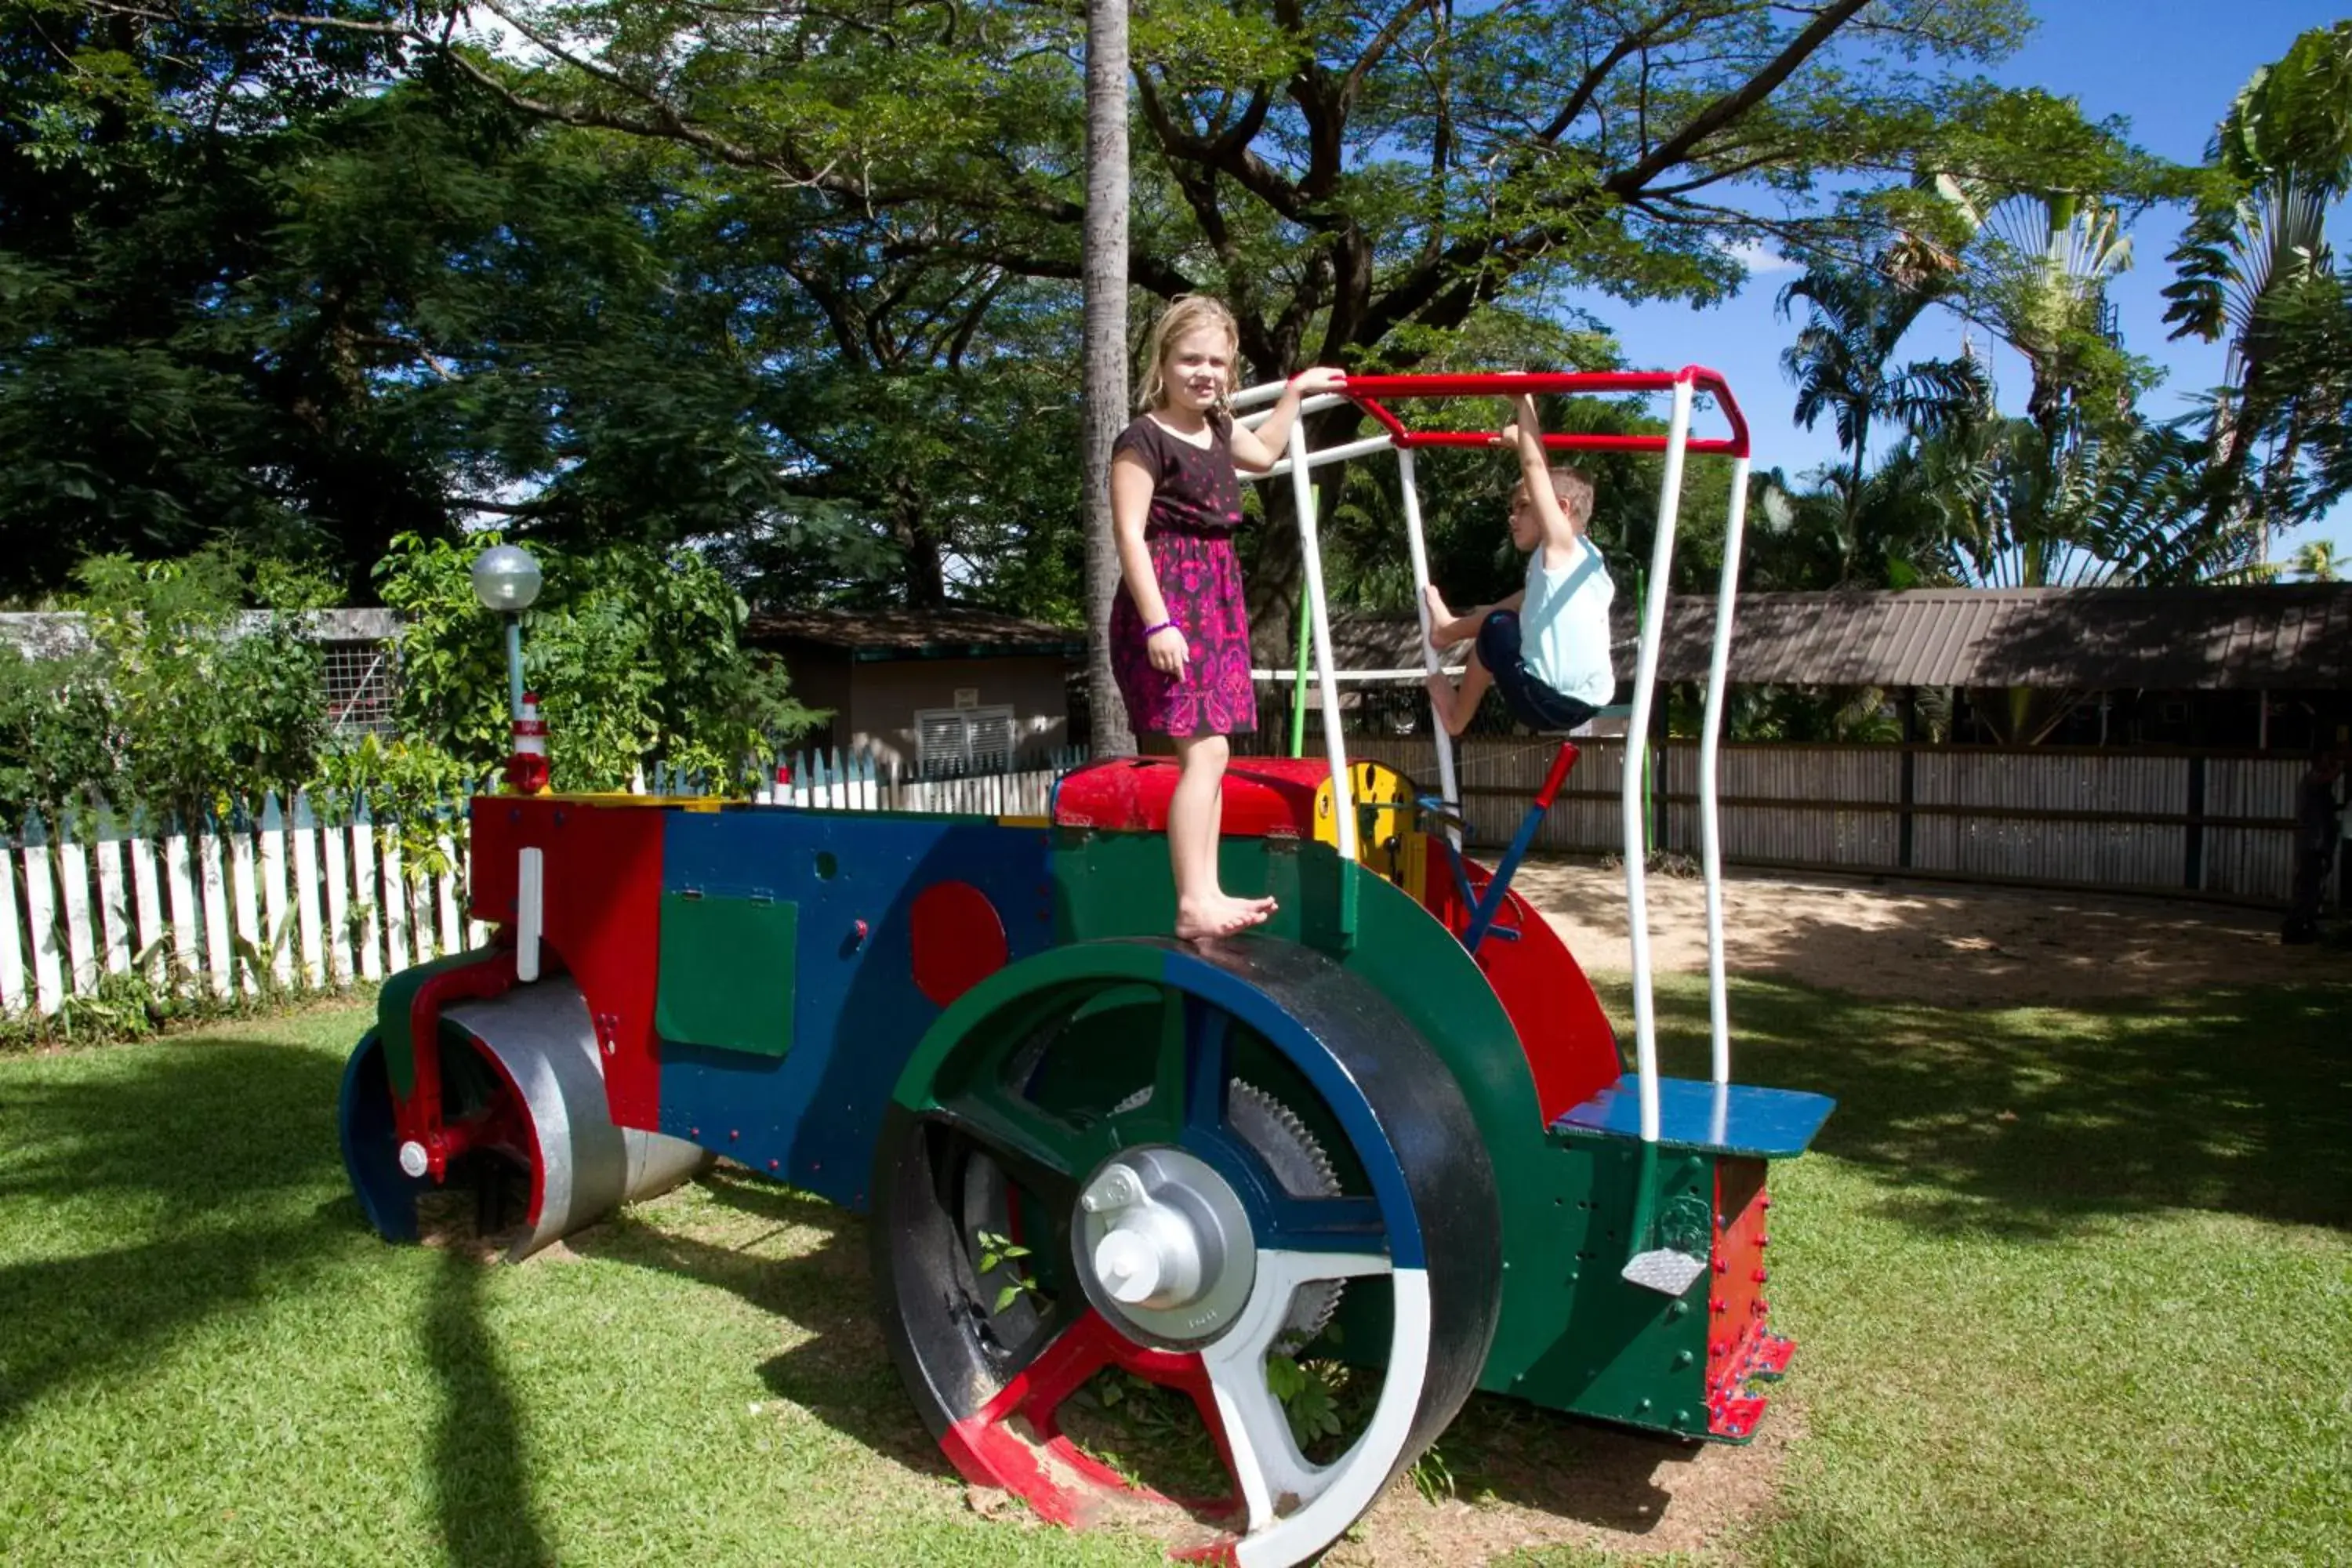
point(1393, 1129)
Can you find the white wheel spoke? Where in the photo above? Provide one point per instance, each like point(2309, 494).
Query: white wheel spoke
point(1274, 1476)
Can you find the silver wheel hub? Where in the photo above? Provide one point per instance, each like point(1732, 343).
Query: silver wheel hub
point(1166, 1243)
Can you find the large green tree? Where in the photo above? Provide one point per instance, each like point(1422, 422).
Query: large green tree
point(1361, 182)
point(2256, 272)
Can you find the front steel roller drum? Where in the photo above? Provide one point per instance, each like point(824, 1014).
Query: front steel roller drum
point(1201, 1288)
point(547, 1093)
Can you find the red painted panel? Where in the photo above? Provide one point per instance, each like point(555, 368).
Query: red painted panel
point(601, 920)
point(1740, 1344)
point(1265, 797)
point(958, 939)
point(1570, 1048)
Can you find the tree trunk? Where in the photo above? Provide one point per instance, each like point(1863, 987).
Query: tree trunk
point(1103, 278)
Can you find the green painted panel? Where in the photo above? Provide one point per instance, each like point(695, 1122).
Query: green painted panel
point(398, 997)
point(726, 967)
point(1620, 1353)
point(1037, 977)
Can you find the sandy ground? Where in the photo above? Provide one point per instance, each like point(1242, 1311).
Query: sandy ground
point(1929, 941)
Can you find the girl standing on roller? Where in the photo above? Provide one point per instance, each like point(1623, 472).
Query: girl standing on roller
point(1179, 641)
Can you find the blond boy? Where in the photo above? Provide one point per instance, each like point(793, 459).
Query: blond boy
point(1545, 649)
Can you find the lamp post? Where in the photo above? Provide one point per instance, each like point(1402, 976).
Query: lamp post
point(506, 579)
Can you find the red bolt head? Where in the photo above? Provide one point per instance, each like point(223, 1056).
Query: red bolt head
point(1723, 1266)
point(1762, 1239)
point(1721, 1306)
point(772, 1164)
point(694, 1132)
point(1759, 1276)
point(1764, 1203)
point(733, 1133)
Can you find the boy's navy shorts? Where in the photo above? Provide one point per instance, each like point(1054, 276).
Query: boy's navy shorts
point(1531, 703)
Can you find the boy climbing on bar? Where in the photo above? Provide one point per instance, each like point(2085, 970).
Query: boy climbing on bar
point(1545, 649)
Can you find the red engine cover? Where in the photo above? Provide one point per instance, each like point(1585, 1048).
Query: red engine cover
point(1265, 797)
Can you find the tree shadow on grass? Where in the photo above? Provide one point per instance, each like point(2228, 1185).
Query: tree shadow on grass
point(481, 1475)
point(841, 1372)
point(169, 1164)
point(212, 1159)
point(193, 1127)
point(2036, 1121)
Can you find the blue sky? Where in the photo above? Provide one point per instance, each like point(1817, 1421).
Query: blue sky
point(2171, 77)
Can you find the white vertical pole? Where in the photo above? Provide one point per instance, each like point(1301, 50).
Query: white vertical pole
point(1710, 832)
point(530, 894)
point(1637, 729)
point(1429, 661)
point(1310, 550)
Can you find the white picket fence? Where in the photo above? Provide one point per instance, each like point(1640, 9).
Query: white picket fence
point(276, 903)
point(857, 782)
point(287, 901)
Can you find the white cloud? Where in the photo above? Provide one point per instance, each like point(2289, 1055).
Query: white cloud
point(1759, 257)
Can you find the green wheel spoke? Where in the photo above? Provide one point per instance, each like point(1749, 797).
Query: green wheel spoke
point(1038, 1151)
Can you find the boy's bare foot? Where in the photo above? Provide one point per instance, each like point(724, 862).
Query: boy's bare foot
point(1219, 915)
point(1440, 617)
point(1441, 696)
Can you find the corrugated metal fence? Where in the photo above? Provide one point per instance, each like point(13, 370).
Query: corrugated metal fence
point(2217, 824)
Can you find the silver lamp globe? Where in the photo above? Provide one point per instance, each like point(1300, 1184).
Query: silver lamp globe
point(506, 578)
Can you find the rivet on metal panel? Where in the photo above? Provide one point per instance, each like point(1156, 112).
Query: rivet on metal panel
point(1683, 1358)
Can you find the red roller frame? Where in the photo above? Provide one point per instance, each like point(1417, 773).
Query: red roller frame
point(1367, 391)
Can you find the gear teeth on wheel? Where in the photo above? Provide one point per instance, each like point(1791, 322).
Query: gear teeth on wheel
point(1276, 1134)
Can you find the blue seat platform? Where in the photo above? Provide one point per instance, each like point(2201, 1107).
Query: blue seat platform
point(1694, 1115)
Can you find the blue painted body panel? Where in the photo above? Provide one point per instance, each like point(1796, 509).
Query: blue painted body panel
point(1738, 1118)
point(812, 1116)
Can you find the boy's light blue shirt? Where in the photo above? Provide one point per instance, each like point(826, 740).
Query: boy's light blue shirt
point(1564, 625)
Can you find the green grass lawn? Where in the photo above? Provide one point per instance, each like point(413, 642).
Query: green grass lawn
point(2069, 1287)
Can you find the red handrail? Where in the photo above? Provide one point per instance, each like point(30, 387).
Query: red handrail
point(1368, 391)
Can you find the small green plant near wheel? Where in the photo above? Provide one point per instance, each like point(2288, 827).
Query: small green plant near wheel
point(1000, 1252)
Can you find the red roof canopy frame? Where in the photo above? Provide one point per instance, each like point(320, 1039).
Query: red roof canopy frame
point(1368, 390)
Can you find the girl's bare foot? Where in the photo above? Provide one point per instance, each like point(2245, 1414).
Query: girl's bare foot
point(1219, 915)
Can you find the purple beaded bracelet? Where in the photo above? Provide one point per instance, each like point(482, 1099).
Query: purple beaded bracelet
point(1150, 631)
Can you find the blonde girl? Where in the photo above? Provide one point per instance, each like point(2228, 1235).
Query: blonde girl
point(1180, 636)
